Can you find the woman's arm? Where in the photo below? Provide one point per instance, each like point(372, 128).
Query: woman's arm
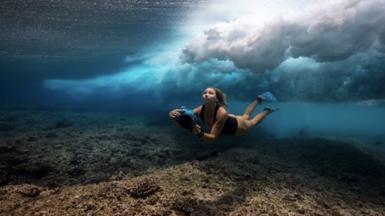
point(215, 130)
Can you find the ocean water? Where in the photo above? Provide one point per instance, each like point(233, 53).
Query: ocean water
point(349, 120)
point(86, 88)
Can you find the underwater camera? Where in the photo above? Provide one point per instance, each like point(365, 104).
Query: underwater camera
point(187, 118)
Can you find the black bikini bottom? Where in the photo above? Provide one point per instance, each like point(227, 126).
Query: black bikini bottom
point(231, 126)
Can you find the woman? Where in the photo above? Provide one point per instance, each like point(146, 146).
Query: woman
point(214, 115)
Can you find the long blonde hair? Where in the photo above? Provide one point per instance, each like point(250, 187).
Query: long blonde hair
point(222, 99)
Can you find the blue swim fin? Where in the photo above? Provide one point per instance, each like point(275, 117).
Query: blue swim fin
point(267, 96)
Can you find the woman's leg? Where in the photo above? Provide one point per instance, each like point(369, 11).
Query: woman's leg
point(259, 117)
point(246, 124)
point(249, 109)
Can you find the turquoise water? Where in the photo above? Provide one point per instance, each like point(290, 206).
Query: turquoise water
point(363, 120)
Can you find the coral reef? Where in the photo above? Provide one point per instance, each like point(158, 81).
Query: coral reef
point(112, 164)
point(29, 190)
point(191, 206)
point(143, 188)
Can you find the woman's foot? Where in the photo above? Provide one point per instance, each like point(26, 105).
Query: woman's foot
point(265, 97)
point(270, 109)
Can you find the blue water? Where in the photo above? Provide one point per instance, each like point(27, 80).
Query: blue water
point(145, 58)
point(340, 120)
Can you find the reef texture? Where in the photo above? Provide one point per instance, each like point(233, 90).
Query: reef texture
point(63, 163)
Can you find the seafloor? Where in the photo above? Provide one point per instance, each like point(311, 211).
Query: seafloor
point(83, 163)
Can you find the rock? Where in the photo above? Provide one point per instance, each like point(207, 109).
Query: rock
point(41, 213)
point(298, 196)
point(143, 188)
point(118, 176)
point(289, 198)
point(96, 177)
point(29, 190)
point(300, 209)
point(186, 205)
point(340, 212)
point(88, 206)
point(191, 206)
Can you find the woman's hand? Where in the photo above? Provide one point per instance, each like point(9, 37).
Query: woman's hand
point(196, 130)
point(174, 113)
